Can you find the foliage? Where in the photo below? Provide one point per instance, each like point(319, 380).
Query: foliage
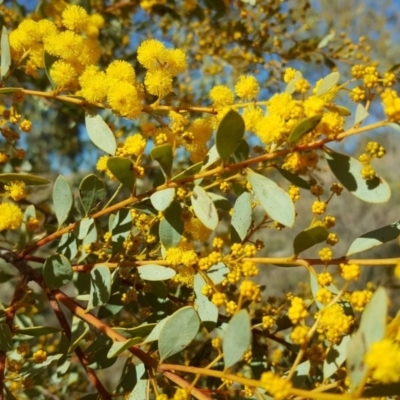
point(154, 258)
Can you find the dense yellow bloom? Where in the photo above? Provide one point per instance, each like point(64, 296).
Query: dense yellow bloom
point(383, 359)
point(290, 73)
point(299, 335)
point(175, 60)
point(67, 45)
point(247, 87)
point(252, 116)
point(134, 145)
point(391, 104)
point(324, 296)
point(221, 96)
point(318, 207)
point(271, 128)
point(16, 190)
point(11, 216)
point(158, 82)
point(102, 166)
point(298, 310)
point(325, 254)
point(313, 105)
point(334, 323)
point(63, 73)
point(249, 290)
point(75, 18)
point(325, 278)
point(219, 299)
point(124, 99)
point(350, 272)
point(360, 298)
point(93, 84)
point(121, 70)
point(277, 387)
point(150, 53)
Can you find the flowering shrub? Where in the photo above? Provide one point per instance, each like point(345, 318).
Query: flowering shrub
point(156, 258)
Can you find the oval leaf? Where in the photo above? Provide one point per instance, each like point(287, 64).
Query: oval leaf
point(309, 237)
point(100, 134)
point(229, 134)
point(119, 347)
point(293, 178)
point(91, 191)
point(57, 271)
point(163, 155)
point(275, 201)
point(5, 53)
point(122, 169)
point(62, 199)
point(171, 227)
point(162, 199)
point(204, 208)
point(208, 311)
point(237, 338)
point(178, 332)
point(156, 272)
point(348, 171)
point(26, 178)
point(361, 114)
point(375, 238)
point(335, 357)
point(241, 217)
point(303, 127)
point(328, 83)
point(38, 330)
point(100, 286)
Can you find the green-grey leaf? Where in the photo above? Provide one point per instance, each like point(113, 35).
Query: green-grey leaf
point(119, 347)
point(290, 87)
point(6, 342)
point(120, 229)
point(237, 338)
point(242, 152)
point(192, 170)
point(162, 199)
point(155, 272)
point(372, 329)
point(100, 286)
point(375, 238)
point(217, 273)
point(26, 178)
point(211, 158)
point(38, 330)
point(343, 111)
point(91, 191)
point(100, 134)
point(141, 389)
point(83, 227)
point(163, 155)
point(178, 332)
point(293, 178)
point(204, 208)
point(122, 169)
point(325, 40)
point(155, 333)
point(229, 134)
point(5, 53)
point(328, 83)
point(348, 171)
point(171, 227)
point(57, 271)
point(309, 237)
point(336, 356)
point(241, 217)
point(275, 201)
point(62, 199)
point(208, 311)
point(361, 114)
point(303, 127)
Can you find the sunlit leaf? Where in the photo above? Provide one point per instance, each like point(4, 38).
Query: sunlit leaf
point(204, 208)
point(335, 357)
point(178, 332)
point(155, 272)
point(62, 199)
point(100, 134)
point(171, 226)
point(361, 114)
point(241, 217)
point(275, 201)
point(329, 82)
point(375, 238)
point(5, 53)
point(162, 199)
point(141, 389)
point(119, 347)
point(237, 338)
point(26, 178)
point(348, 171)
point(208, 311)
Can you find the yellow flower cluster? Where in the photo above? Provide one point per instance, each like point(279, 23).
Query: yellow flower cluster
point(16, 190)
point(325, 278)
point(383, 360)
point(334, 323)
point(298, 310)
point(195, 138)
point(277, 387)
point(11, 216)
point(299, 335)
point(134, 146)
point(360, 298)
point(349, 272)
point(162, 66)
point(249, 290)
point(325, 254)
